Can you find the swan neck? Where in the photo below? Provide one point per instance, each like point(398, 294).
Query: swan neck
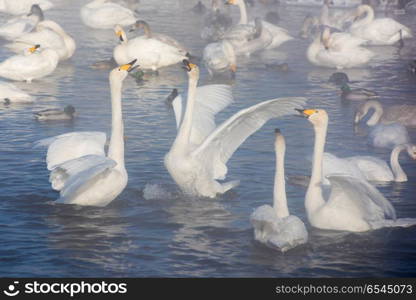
point(398, 173)
point(314, 199)
point(147, 31)
point(243, 12)
point(376, 116)
point(184, 134)
point(279, 193)
point(116, 148)
point(369, 16)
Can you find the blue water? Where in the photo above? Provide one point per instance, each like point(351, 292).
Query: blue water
point(150, 229)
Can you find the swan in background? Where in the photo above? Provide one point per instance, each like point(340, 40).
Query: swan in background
point(338, 20)
point(20, 25)
point(216, 23)
point(197, 160)
point(22, 6)
point(353, 204)
point(80, 169)
point(11, 94)
point(140, 24)
point(404, 114)
point(49, 34)
point(219, 57)
point(55, 114)
point(376, 169)
point(102, 14)
point(358, 94)
point(152, 53)
point(329, 52)
point(29, 66)
point(310, 26)
point(380, 31)
point(274, 226)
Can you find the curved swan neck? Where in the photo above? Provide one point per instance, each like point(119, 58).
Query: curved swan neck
point(314, 199)
point(279, 193)
point(378, 112)
point(116, 148)
point(146, 29)
point(399, 174)
point(182, 141)
point(243, 12)
point(369, 15)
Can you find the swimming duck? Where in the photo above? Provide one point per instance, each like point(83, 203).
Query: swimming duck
point(358, 94)
point(55, 114)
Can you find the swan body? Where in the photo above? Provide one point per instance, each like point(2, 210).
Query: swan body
point(353, 204)
point(22, 6)
point(102, 14)
point(404, 114)
point(9, 93)
point(359, 94)
point(334, 54)
point(388, 135)
point(68, 113)
point(274, 226)
point(381, 31)
point(200, 152)
point(49, 34)
point(28, 67)
point(20, 25)
point(219, 57)
point(152, 53)
point(80, 169)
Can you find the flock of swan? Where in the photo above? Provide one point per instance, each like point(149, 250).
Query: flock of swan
point(340, 195)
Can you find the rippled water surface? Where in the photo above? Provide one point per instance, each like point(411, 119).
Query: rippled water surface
point(150, 230)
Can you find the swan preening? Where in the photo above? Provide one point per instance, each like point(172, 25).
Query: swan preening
point(102, 14)
point(80, 169)
point(151, 52)
point(31, 65)
point(353, 204)
point(378, 31)
point(48, 34)
point(200, 152)
point(273, 225)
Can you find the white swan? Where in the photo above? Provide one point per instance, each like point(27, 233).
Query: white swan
point(219, 57)
point(9, 93)
point(261, 34)
point(196, 161)
point(22, 6)
point(381, 31)
point(80, 169)
point(102, 14)
point(274, 226)
point(49, 34)
point(404, 114)
point(337, 51)
point(20, 25)
point(353, 204)
point(152, 53)
point(140, 24)
point(26, 67)
point(335, 20)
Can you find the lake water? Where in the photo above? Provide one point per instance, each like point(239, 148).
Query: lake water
point(152, 231)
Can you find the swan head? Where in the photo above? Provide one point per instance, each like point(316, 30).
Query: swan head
point(121, 72)
point(192, 69)
point(411, 150)
point(232, 2)
point(362, 9)
point(35, 10)
point(318, 117)
point(119, 31)
point(31, 50)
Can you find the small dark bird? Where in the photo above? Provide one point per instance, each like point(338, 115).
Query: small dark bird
point(68, 113)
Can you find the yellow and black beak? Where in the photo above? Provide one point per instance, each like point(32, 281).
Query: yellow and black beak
point(187, 65)
point(306, 112)
point(130, 66)
point(34, 48)
point(230, 2)
point(120, 35)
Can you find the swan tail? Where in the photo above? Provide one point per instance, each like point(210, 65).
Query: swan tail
point(230, 185)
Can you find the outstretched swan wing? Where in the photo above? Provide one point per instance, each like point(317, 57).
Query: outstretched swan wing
point(220, 145)
point(358, 194)
point(84, 179)
point(72, 145)
point(210, 100)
